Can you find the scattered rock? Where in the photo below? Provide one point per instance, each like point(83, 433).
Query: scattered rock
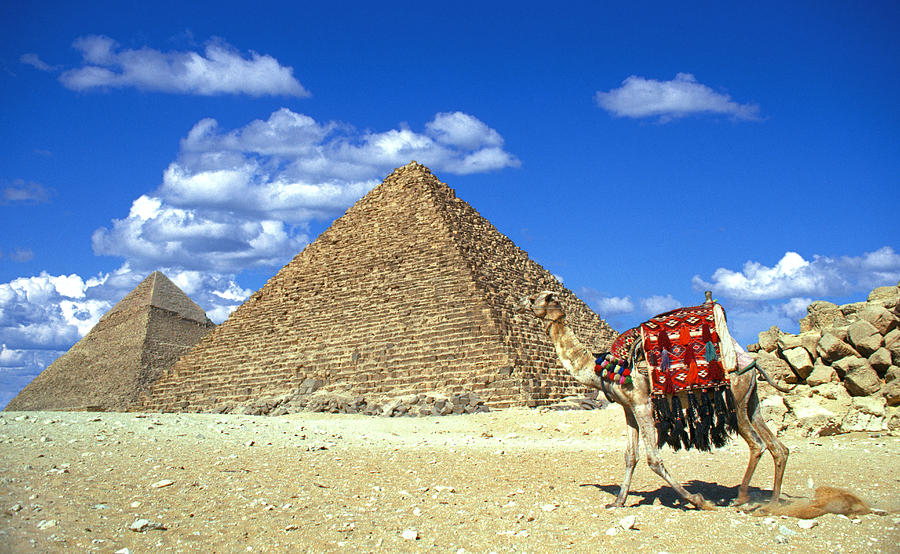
point(807, 523)
point(862, 381)
point(627, 522)
point(880, 318)
point(880, 361)
point(410, 535)
point(162, 483)
point(887, 297)
point(821, 374)
point(144, 525)
point(822, 314)
point(798, 358)
point(865, 337)
point(831, 348)
point(866, 414)
point(768, 340)
point(46, 524)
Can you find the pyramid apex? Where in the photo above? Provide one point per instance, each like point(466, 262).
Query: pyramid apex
point(411, 170)
point(158, 291)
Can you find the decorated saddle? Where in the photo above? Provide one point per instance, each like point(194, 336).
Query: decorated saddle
point(688, 351)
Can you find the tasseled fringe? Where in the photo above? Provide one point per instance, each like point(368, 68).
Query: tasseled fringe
point(702, 424)
point(698, 440)
point(710, 353)
point(731, 424)
point(663, 417)
point(678, 435)
point(719, 433)
point(705, 425)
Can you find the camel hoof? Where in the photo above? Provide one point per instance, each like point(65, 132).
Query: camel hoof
point(741, 500)
point(702, 503)
point(614, 505)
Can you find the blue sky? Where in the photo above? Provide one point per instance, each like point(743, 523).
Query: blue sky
point(642, 153)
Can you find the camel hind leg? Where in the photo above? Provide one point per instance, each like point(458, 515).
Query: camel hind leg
point(752, 427)
point(775, 447)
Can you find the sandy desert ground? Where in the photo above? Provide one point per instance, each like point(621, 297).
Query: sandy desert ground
point(520, 480)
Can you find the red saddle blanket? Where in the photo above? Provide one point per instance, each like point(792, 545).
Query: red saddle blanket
point(682, 349)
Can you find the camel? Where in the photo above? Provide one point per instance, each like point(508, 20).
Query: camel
point(635, 399)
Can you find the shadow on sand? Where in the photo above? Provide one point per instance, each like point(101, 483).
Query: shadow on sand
point(717, 494)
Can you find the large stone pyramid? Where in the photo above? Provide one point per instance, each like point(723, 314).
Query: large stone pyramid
point(128, 349)
point(411, 290)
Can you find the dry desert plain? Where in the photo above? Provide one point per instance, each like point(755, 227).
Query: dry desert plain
point(514, 480)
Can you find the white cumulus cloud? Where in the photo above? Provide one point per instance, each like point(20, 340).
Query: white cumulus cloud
point(658, 304)
point(641, 97)
point(795, 276)
point(244, 197)
point(220, 69)
point(612, 305)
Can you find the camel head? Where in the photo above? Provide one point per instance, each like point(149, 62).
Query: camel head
point(544, 305)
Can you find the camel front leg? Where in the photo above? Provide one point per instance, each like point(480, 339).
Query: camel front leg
point(648, 433)
point(631, 451)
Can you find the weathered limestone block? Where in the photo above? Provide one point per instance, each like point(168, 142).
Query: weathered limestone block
point(821, 374)
point(773, 410)
point(768, 339)
point(822, 314)
point(831, 348)
point(839, 333)
point(865, 338)
point(787, 342)
point(891, 393)
point(848, 364)
point(892, 374)
point(880, 361)
point(812, 417)
point(883, 320)
point(799, 360)
point(778, 369)
point(859, 331)
point(851, 311)
point(810, 340)
point(892, 338)
point(862, 381)
point(887, 297)
point(835, 392)
point(866, 414)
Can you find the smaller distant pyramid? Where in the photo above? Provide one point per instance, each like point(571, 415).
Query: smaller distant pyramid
point(121, 356)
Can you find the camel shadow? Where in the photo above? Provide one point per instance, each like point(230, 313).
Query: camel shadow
point(719, 495)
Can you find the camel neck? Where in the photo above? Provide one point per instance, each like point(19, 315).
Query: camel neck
point(575, 357)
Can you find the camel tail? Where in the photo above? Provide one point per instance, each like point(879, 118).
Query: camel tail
point(771, 382)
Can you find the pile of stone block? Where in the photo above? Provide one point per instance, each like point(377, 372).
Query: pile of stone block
point(849, 354)
point(310, 398)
